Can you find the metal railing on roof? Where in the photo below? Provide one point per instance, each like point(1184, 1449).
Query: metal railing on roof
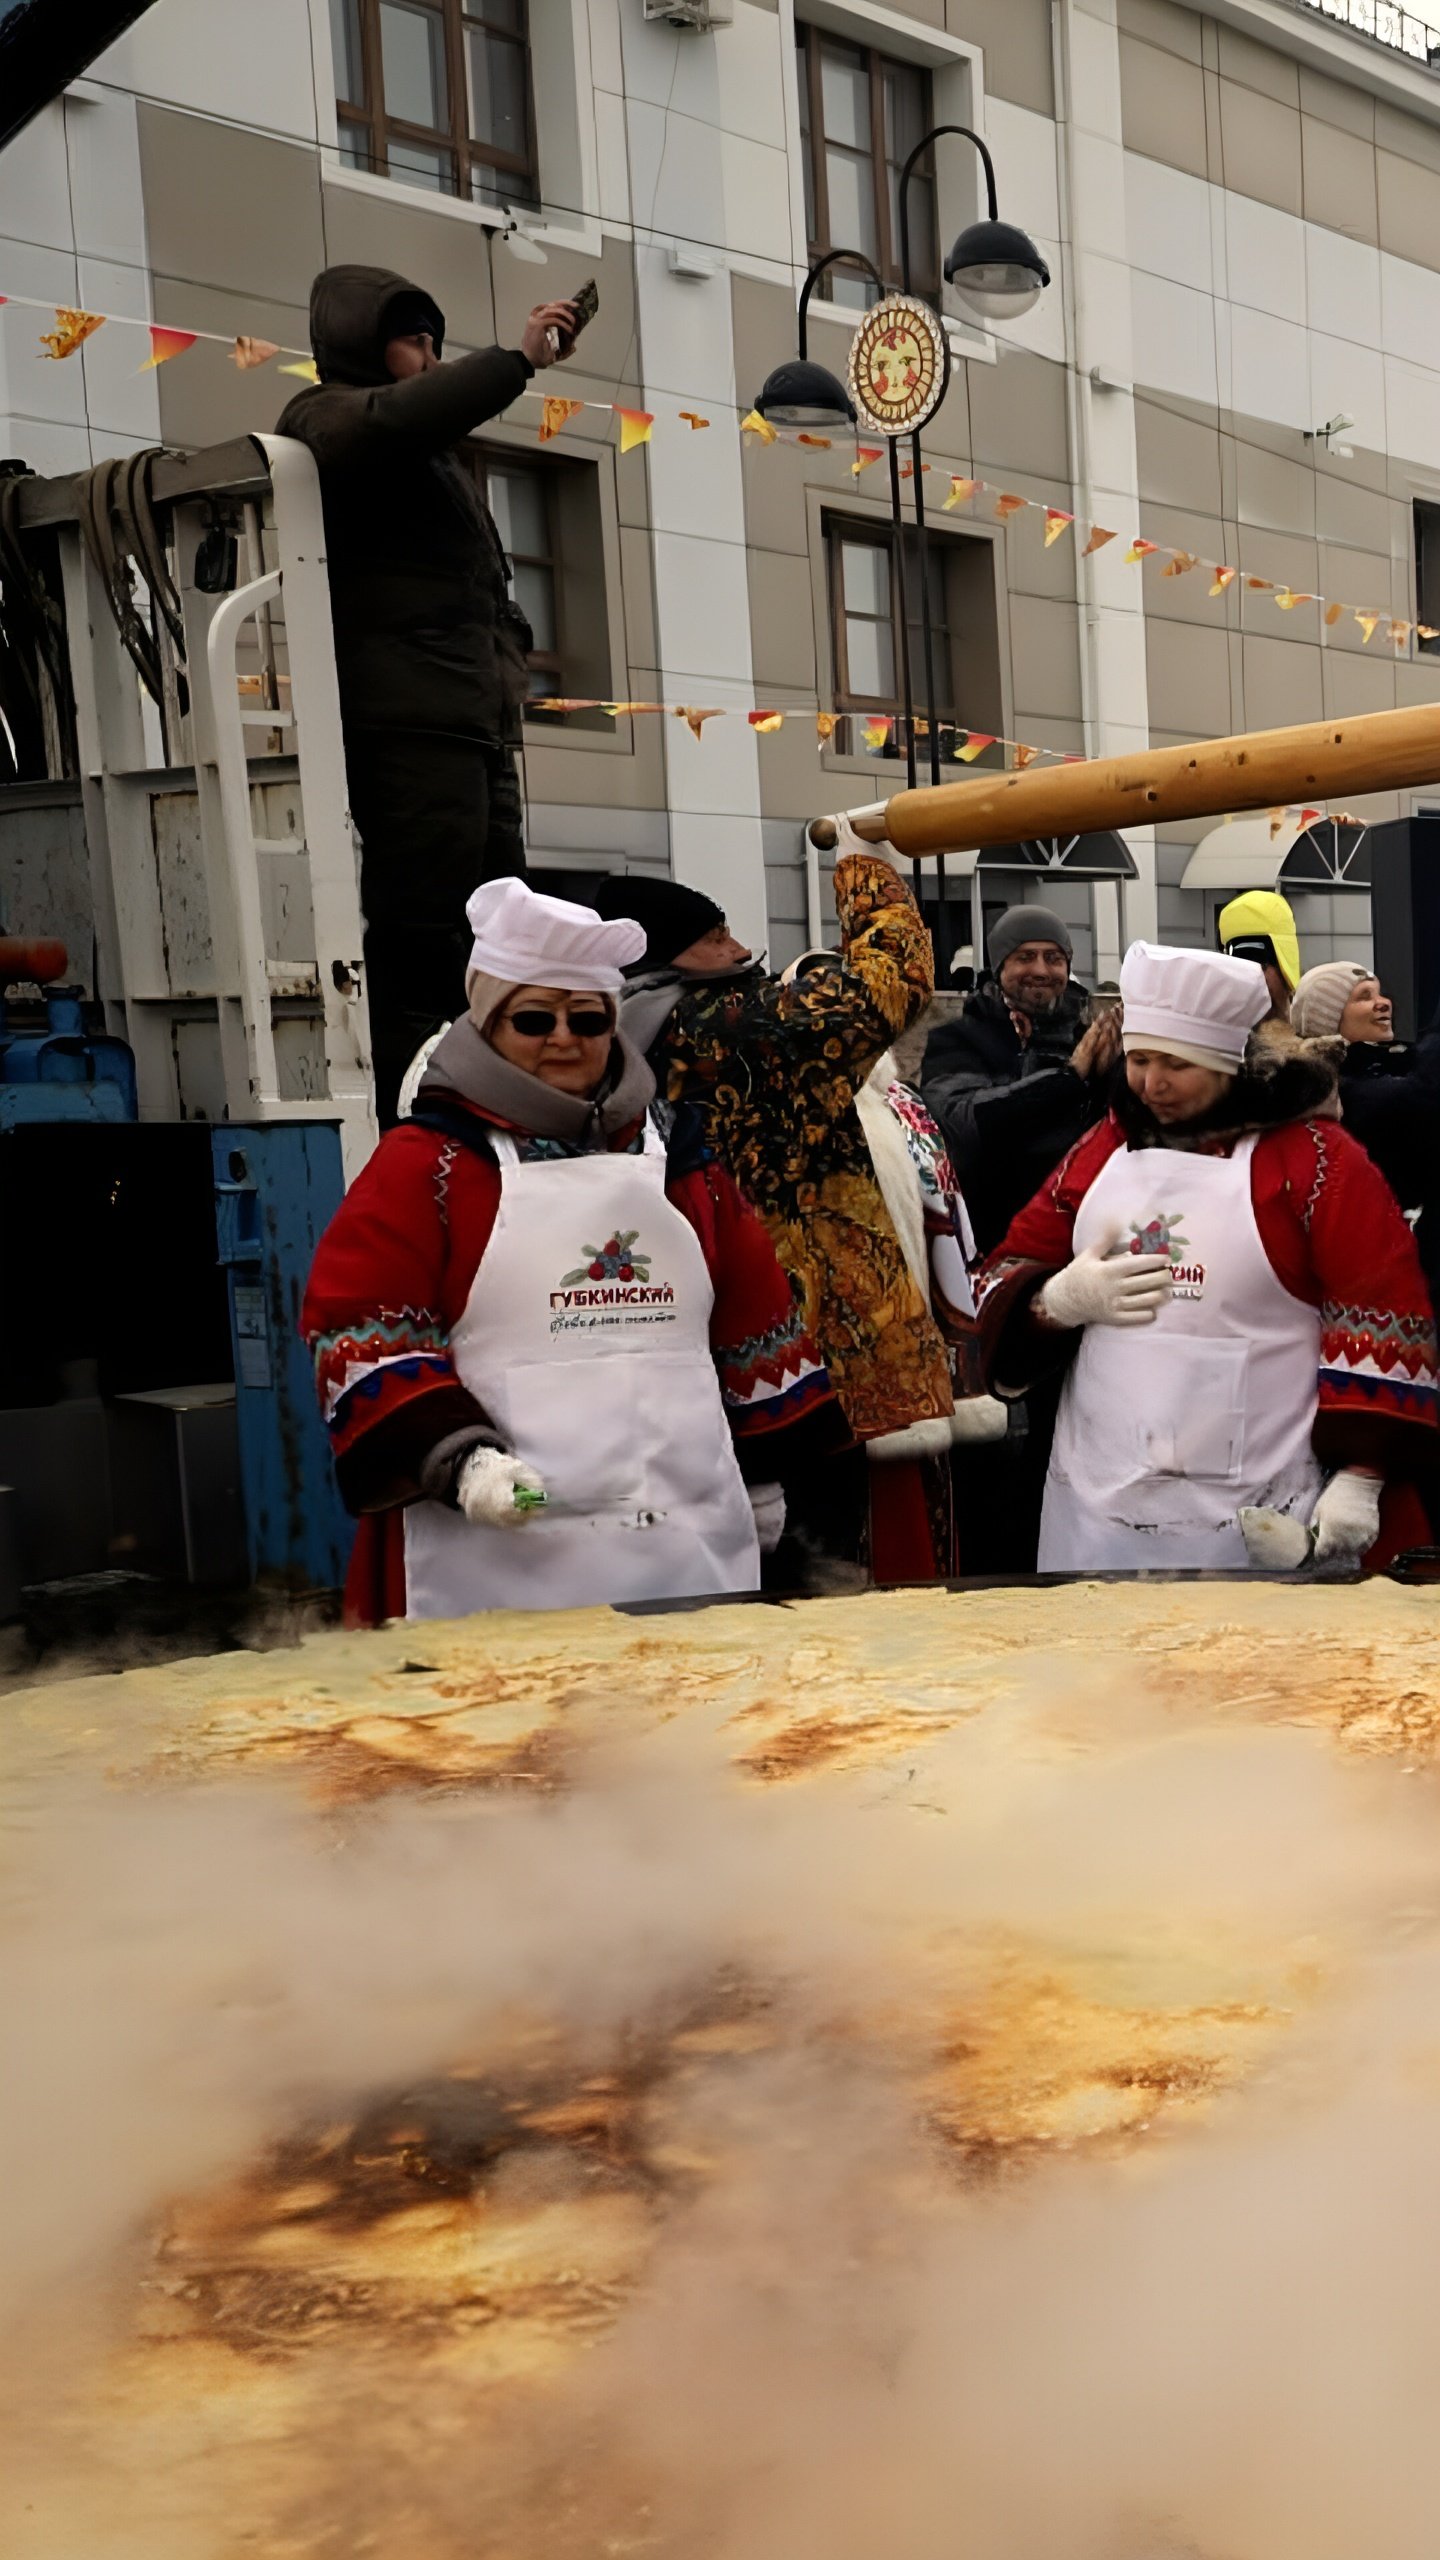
point(1382, 22)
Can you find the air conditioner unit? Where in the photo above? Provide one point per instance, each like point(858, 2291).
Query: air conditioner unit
point(702, 14)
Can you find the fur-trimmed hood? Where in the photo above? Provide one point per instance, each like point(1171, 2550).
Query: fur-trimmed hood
point(1283, 1079)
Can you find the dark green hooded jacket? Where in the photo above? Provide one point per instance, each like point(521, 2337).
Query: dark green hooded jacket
point(427, 635)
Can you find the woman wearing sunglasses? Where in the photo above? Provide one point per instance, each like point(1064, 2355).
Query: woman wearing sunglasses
point(553, 1345)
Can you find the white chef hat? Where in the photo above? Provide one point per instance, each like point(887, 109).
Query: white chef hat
point(1196, 1005)
point(528, 940)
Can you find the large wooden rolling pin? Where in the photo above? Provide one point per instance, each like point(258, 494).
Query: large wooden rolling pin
point(1270, 768)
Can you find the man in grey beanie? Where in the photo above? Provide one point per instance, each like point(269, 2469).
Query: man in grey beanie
point(1022, 1073)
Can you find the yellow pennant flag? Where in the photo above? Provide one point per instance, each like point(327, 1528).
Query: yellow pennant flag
point(824, 725)
point(694, 718)
point(1100, 534)
point(305, 371)
point(248, 352)
point(865, 454)
point(635, 426)
point(1139, 550)
point(1025, 755)
point(1007, 504)
point(555, 412)
point(1056, 521)
point(755, 425)
point(876, 732)
point(1367, 622)
point(71, 330)
point(1222, 579)
point(1333, 613)
point(1424, 631)
point(1287, 598)
point(961, 491)
point(693, 419)
point(975, 745)
point(767, 722)
point(1179, 563)
point(165, 343)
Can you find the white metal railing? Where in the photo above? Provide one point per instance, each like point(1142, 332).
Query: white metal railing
point(1383, 22)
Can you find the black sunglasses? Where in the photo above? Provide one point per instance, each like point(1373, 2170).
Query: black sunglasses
point(536, 1022)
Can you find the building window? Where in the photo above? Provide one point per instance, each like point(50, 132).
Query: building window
point(549, 520)
point(1427, 571)
point(861, 115)
point(865, 632)
point(521, 500)
point(436, 93)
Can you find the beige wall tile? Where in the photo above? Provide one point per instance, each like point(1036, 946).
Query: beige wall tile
point(1016, 39)
point(1417, 680)
point(762, 319)
point(1187, 598)
point(1353, 685)
point(775, 481)
point(1159, 22)
point(1352, 577)
point(1044, 659)
point(1177, 458)
point(1162, 104)
point(1188, 676)
point(793, 783)
point(1018, 421)
point(205, 400)
point(1352, 109)
point(1258, 66)
point(226, 206)
point(1410, 136)
point(637, 587)
point(1339, 180)
point(439, 252)
point(574, 779)
point(1260, 146)
point(1272, 492)
point(1409, 197)
point(1349, 514)
point(782, 620)
point(1282, 683)
point(1033, 568)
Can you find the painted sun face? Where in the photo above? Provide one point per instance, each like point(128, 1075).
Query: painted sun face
point(899, 365)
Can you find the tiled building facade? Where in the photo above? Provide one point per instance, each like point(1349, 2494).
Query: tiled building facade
point(1241, 210)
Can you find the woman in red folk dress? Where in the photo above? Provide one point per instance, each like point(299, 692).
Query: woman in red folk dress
point(558, 1359)
point(1250, 1343)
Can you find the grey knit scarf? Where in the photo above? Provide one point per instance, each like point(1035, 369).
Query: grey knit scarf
point(650, 999)
point(465, 1065)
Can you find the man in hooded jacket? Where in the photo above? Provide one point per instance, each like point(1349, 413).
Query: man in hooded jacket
point(430, 647)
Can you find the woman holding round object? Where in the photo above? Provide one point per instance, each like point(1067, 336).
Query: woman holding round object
point(1389, 1089)
point(558, 1358)
point(1235, 1292)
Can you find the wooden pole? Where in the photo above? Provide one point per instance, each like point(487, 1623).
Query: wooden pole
point(1270, 768)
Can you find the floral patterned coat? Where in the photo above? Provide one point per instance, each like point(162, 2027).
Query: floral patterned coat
point(774, 1071)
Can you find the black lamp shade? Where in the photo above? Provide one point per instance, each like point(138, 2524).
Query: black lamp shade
point(801, 394)
point(997, 269)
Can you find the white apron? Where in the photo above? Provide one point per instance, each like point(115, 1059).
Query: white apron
point(1166, 1430)
point(605, 1384)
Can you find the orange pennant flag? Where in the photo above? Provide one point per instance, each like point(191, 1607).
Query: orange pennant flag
point(248, 352)
point(555, 412)
point(822, 444)
point(767, 722)
point(1222, 579)
point(1308, 817)
point(693, 419)
point(1007, 504)
point(1023, 756)
point(865, 454)
point(165, 343)
point(1056, 521)
point(1277, 821)
point(1367, 622)
point(876, 732)
point(1400, 634)
point(1260, 586)
point(824, 725)
point(1100, 534)
point(71, 330)
point(635, 426)
point(694, 719)
point(755, 425)
point(975, 745)
point(1179, 562)
point(907, 469)
point(1139, 550)
point(306, 371)
point(961, 490)
point(1333, 613)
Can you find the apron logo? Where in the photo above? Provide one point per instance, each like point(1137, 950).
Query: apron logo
point(613, 1275)
point(1162, 1234)
point(617, 1260)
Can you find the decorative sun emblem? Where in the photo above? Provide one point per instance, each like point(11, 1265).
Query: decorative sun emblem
point(899, 366)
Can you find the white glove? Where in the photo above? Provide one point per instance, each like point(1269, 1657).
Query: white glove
point(927, 1439)
point(486, 1487)
point(1103, 1286)
point(979, 1418)
point(1346, 1519)
point(767, 1501)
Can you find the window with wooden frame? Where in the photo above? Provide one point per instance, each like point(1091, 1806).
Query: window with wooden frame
point(865, 632)
point(548, 518)
point(437, 94)
point(861, 115)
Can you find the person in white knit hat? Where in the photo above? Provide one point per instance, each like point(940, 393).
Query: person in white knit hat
point(558, 1358)
point(1237, 1297)
point(1389, 1092)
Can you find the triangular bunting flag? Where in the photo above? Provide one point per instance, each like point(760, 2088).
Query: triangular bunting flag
point(555, 412)
point(1007, 504)
point(1260, 586)
point(1056, 521)
point(961, 490)
point(767, 722)
point(693, 419)
point(1400, 634)
point(907, 469)
point(635, 426)
point(1423, 630)
point(1023, 756)
point(694, 719)
point(876, 732)
point(1100, 534)
point(975, 745)
point(1277, 821)
point(1333, 613)
point(628, 710)
point(1179, 563)
point(165, 343)
point(755, 425)
point(822, 444)
point(865, 454)
point(248, 352)
point(1367, 622)
point(1222, 579)
point(71, 330)
point(567, 702)
point(306, 371)
point(824, 725)
point(1139, 549)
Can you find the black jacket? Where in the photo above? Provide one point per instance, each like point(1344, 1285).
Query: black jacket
point(426, 633)
point(1008, 1113)
point(1390, 1101)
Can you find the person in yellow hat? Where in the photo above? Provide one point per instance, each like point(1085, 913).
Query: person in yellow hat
point(1260, 925)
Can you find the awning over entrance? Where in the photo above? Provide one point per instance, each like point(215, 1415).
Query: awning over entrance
point(1102, 856)
point(1331, 853)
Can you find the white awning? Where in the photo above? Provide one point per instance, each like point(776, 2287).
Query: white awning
point(1241, 853)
